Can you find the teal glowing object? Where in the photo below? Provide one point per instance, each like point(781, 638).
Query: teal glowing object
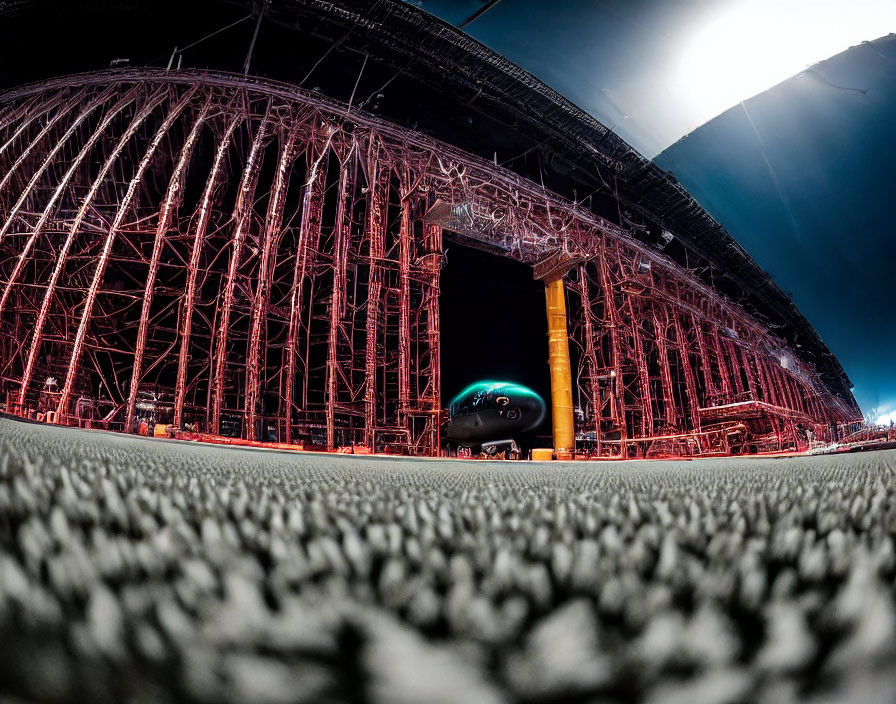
point(490, 412)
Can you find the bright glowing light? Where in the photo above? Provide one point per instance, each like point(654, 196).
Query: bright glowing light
point(884, 417)
point(744, 47)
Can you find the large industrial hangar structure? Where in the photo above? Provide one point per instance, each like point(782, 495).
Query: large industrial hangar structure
point(261, 256)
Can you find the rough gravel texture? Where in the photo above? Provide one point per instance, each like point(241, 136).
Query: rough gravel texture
point(142, 570)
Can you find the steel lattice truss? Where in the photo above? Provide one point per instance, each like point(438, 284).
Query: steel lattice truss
point(242, 256)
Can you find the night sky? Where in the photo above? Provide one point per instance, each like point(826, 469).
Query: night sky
point(801, 175)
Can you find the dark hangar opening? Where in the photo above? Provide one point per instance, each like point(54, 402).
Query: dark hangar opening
point(493, 326)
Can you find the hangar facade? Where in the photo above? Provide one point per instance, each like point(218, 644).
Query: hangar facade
point(248, 257)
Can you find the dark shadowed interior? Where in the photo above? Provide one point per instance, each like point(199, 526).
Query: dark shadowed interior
point(493, 325)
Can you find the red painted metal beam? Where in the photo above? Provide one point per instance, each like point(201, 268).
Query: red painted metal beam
point(341, 242)
point(99, 272)
point(74, 230)
point(270, 240)
point(309, 234)
point(375, 232)
point(10, 217)
point(205, 208)
point(242, 217)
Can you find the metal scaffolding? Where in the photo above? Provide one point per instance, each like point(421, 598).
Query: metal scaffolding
point(243, 258)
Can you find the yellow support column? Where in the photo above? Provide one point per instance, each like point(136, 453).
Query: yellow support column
point(561, 376)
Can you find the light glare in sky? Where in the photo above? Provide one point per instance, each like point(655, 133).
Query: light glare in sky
point(744, 47)
point(884, 418)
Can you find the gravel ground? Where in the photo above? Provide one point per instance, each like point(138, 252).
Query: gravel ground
point(143, 570)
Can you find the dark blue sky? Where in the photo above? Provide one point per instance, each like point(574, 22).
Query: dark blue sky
point(802, 175)
point(600, 54)
point(654, 70)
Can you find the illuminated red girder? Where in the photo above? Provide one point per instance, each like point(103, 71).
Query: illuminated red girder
point(240, 257)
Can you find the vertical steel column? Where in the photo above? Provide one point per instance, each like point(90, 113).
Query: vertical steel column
point(794, 400)
point(591, 357)
point(561, 376)
point(270, 240)
point(51, 123)
point(795, 392)
point(242, 215)
point(737, 362)
point(762, 381)
point(660, 327)
point(309, 232)
point(643, 374)
point(731, 348)
point(783, 382)
point(806, 396)
point(817, 408)
point(768, 382)
point(186, 322)
point(618, 388)
point(432, 235)
point(689, 381)
point(723, 368)
point(404, 309)
point(796, 386)
point(73, 232)
point(100, 270)
point(700, 334)
point(341, 237)
point(378, 193)
point(773, 370)
point(748, 368)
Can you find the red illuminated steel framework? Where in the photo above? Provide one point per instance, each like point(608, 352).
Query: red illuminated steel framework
point(240, 257)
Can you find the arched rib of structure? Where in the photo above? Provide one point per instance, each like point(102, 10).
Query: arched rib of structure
point(255, 259)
